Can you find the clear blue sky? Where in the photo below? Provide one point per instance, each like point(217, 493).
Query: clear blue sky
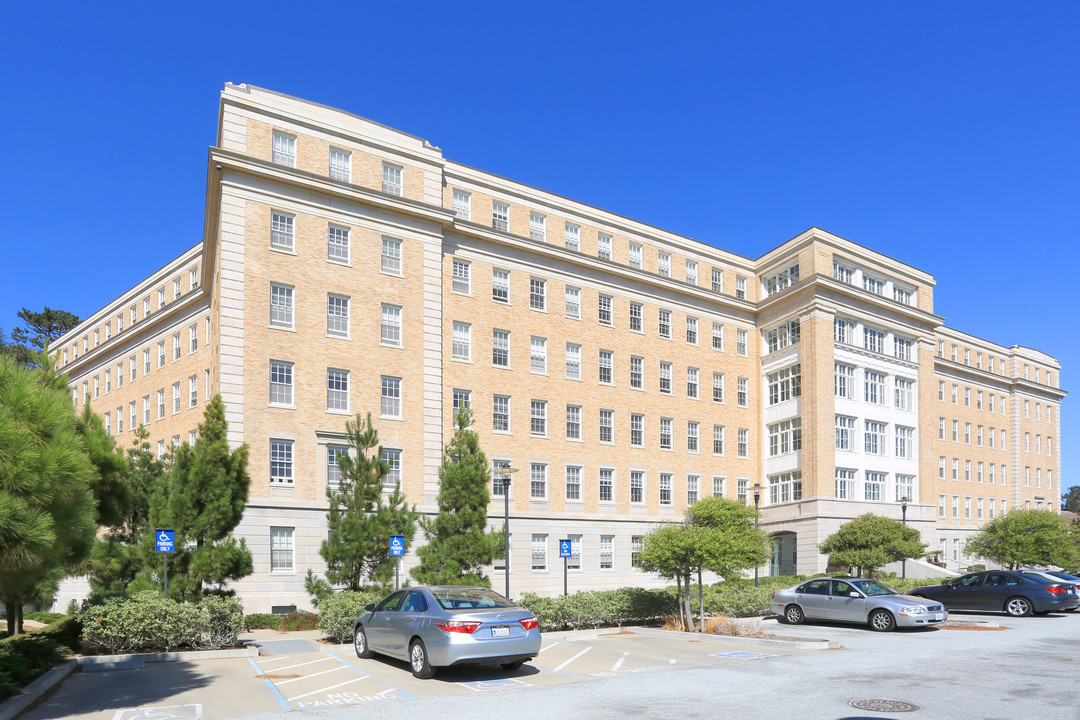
point(942, 134)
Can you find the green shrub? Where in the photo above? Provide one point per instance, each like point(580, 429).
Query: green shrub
point(299, 621)
point(43, 617)
point(601, 608)
point(24, 658)
point(222, 621)
point(147, 622)
point(338, 612)
point(256, 621)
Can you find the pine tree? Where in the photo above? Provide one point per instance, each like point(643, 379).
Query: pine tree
point(202, 498)
point(459, 542)
point(360, 521)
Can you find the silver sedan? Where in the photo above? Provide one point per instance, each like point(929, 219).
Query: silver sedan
point(855, 600)
point(432, 627)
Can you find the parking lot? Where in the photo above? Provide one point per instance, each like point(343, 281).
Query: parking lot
point(302, 674)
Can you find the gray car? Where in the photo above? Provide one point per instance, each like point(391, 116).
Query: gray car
point(431, 627)
point(855, 600)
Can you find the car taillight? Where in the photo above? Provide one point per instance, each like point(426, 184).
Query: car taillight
point(1056, 589)
point(458, 626)
point(530, 623)
point(773, 596)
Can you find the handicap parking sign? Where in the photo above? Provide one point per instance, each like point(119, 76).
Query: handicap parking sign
point(565, 549)
point(397, 545)
point(165, 540)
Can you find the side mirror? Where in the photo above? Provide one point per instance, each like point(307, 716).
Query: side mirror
point(369, 607)
point(857, 595)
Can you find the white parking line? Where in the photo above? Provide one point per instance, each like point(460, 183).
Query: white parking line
point(550, 645)
point(618, 664)
point(573, 659)
point(305, 677)
point(273, 658)
point(310, 662)
point(328, 689)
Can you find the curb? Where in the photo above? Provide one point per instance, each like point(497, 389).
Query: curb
point(807, 644)
point(35, 690)
point(101, 663)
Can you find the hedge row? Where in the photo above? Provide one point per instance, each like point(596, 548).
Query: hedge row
point(24, 658)
point(146, 621)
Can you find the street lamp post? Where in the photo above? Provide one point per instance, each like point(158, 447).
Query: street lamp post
point(903, 516)
point(757, 501)
point(504, 474)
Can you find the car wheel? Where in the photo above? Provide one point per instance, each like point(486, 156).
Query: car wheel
point(513, 665)
point(1018, 606)
point(360, 643)
point(418, 659)
point(793, 615)
point(882, 621)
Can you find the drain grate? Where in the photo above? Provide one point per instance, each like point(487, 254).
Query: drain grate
point(882, 705)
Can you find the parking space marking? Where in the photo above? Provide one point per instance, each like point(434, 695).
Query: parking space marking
point(619, 662)
point(573, 658)
point(328, 689)
point(484, 685)
point(346, 698)
point(273, 658)
point(550, 645)
point(270, 686)
point(308, 677)
point(309, 662)
point(179, 712)
point(401, 693)
point(740, 655)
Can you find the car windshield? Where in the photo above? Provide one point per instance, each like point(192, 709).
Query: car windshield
point(1066, 577)
point(469, 598)
point(870, 587)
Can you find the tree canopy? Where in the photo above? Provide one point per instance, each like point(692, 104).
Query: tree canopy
point(1070, 501)
point(1026, 537)
point(39, 330)
point(870, 541)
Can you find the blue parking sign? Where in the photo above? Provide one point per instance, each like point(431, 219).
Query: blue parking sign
point(165, 540)
point(397, 545)
point(565, 549)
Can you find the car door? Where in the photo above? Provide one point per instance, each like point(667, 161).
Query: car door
point(379, 625)
point(813, 598)
point(966, 593)
point(846, 603)
point(401, 624)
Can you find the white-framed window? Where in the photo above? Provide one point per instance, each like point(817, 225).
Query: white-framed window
point(340, 165)
point(390, 397)
point(743, 392)
point(281, 306)
point(538, 481)
point(193, 392)
point(874, 387)
point(607, 485)
point(392, 181)
point(391, 256)
point(574, 561)
point(607, 552)
point(572, 236)
point(390, 325)
point(462, 202)
point(538, 294)
point(573, 361)
point(161, 354)
point(500, 348)
point(785, 487)
point(333, 467)
point(666, 430)
point(108, 381)
point(337, 315)
point(573, 422)
point(572, 301)
point(902, 294)
point(461, 341)
point(718, 439)
point(537, 227)
point(845, 431)
point(538, 355)
point(337, 244)
point(873, 284)
point(539, 552)
point(605, 367)
point(904, 396)
point(873, 340)
point(637, 430)
point(500, 413)
point(718, 486)
point(845, 484)
point(692, 383)
point(874, 487)
point(538, 417)
point(605, 307)
point(161, 404)
point(718, 387)
point(146, 409)
point(500, 481)
point(874, 437)
point(665, 488)
point(637, 486)
point(500, 216)
point(843, 331)
point(665, 378)
point(281, 549)
point(740, 287)
point(663, 263)
point(603, 246)
point(902, 347)
point(133, 412)
point(176, 347)
point(500, 285)
point(607, 426)
point(664, 324)
point(691, 272)
point(284, 150)
point(281, 383)
point(337, 390)
point(637, 372)
point(636, 317)
point(462, 276)
point(282, 232)
point(108, 423)
point(717, 278)
point(281, 461)
point(905, 442)
point(635, 255)
point(717, 336)
point(692, 330)
point(573, 482)
point(844, 380)
point(193, 340)
point(693, 436)
point(782, 279)
point(741, 343)
point(785, 384)
point(740, 488)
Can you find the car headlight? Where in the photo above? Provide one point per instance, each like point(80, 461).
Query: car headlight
point(913, 610)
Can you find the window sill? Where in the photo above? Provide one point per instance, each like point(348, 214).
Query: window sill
point(281, 327)
point(283, 251)
point(279, 406)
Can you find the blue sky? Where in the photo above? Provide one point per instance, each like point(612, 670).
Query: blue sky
point(941, 134)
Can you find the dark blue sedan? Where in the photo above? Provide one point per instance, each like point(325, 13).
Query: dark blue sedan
point(1014, 593)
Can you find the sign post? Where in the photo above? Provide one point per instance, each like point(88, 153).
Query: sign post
point(566, 548)
point(165, 544)
point(397, 549)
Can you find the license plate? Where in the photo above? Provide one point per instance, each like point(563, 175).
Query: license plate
point(939, 616)
point(500, 631)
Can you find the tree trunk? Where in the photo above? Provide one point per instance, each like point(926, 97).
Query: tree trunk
point(10, 608)
point(689, 609)
point(701, 600)
point(19, 621)
point(678, 598)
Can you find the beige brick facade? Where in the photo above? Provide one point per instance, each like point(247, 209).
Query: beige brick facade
point(622, 370)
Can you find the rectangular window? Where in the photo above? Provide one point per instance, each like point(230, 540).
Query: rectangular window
point(605, 366)
point(605, 309)
point(785, 487)
point(717, 336)
point(537, 294)
point(637, 486)
point(607, 485)
point(284, 149)
point(873, 284)
point(573, 482)
point(873, 340)
point(337, 244)
point(743, 392)
point(193, 339)
point(718, 387)
point(785, 437)
point(693, 439)
point(281, 461)
point(692, 383)
point(843, 331)
point(500, 216)
point(874, 488)
point(692, 330)
point(500, 481)
point(573, 361)
point(718, 439)
point(603, 246)
point(637, 372)
point(740, 287)
point(874, 438)
point(193, 392)
point(845, 484)
point(664, 324)
point(390, 397)
point(665, 378)
point(874, 386)
point(636, 317)
point(744, 442)
point(718, 486)
point(573, 422)
point(665, 488)
point(902, 295)
point(500, 413)
point(607, 551)
point(281, 549)
point(844, 381)
point(340, 165)
point(537, 227)
point(538, 417)
point(905, 442)
point(390, 325)
point(176, 347)
point(333, 467)
point(902, 347)
point(741, 343)
point(785, 384)
point(572, 236)
point(663, 263)
point(282, 235)
point(539, 552)
point(500, 348)
point(391, 256)
point(462, 205)
point(281, 306)
point(462, 276)
point(538, 485)
point(281, 383)
point(740, 489)
point(904, 395)
point(337, 315)
point(133, 413)
point(845, 430)
point(337, 390)
point(717, 280)
point(637, 430)
point(461, 341)
point(500, 285)
point(538, 355)
point(146, 409)
point(635, 255)
point(665, 433)
point(392, 182)
point(572, 300)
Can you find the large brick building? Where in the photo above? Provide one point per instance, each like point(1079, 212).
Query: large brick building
point(622, 370)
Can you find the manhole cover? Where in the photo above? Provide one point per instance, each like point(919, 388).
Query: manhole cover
point(882, 705)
